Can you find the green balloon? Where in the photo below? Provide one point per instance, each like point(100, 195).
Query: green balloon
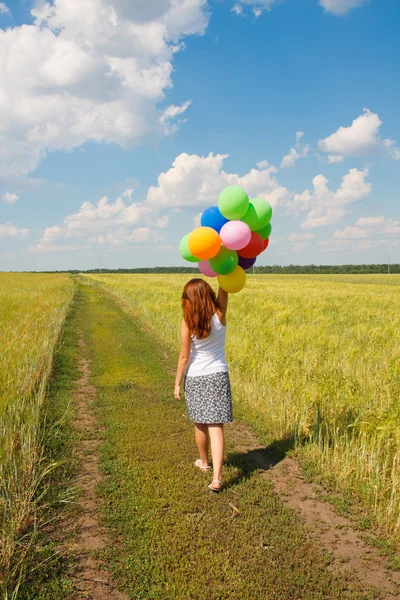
point(225, 262)
point(265, 232)
point(185, 252)
point(258, 215)
point(233, 202)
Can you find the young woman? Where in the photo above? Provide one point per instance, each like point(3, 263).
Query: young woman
point(203, 365)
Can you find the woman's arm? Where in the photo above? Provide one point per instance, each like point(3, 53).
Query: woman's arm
point(183, 361)
point(223, 302)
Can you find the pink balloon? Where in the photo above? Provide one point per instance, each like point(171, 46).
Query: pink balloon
point(235, 235)
point(204, 267)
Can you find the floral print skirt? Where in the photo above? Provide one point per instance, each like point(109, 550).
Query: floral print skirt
point(208, 398)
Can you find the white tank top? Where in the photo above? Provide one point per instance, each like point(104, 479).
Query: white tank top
point(208, 355)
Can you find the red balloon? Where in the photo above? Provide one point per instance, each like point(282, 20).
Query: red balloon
point(254, 247)
point(266, 242)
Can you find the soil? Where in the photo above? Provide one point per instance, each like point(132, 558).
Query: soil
point(90, 578)
point(337, 534)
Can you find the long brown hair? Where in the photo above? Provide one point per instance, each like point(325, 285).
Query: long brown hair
point(199, 303)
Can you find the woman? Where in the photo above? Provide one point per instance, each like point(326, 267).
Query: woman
point(203, 365)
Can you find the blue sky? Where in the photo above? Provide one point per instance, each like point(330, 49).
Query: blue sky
point(118, 127)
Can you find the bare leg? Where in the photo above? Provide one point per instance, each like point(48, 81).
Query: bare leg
point(201, 434)
point(216, 433)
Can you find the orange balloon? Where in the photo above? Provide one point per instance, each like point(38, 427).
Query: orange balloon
point(204, 243)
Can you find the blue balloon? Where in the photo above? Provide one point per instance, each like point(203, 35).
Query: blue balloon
point(211, 217)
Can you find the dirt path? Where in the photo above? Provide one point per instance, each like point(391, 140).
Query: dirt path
point(335, 533)
point(91, 580)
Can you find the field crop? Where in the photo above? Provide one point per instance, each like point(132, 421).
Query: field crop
point(33, 309)
point(312, 358)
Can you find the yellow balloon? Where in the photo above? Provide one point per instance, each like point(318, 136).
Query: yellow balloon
point(204, 243)
point(234, 282)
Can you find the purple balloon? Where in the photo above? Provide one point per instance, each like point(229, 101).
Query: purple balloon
point(204, 267)
point(246, 263)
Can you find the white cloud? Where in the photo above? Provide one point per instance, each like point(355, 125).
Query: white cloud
point(9, 198)
point(367, 233)
point(300, 237)
point(163, 222)
point(326, 207)
point(258, 6)
point(196, 220)
point(335, 158)
point(295, 153)
point(198, 180)
point(170, 113)
point(9, 230)
point(369, 227)
point(362, 138)
point(4, 10)
point(335, 7)
point(92, 71)
point(340, 7)
point(106, 223)
point(237, 9)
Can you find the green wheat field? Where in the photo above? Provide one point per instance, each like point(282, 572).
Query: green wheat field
point(313, 359)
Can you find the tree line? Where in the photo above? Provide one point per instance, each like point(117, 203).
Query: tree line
point(274, 269)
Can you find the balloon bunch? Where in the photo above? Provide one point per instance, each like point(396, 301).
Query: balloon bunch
point(230, 238)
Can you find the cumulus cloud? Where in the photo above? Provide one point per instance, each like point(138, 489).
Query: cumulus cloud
point(92, 71)
point(326, 207)
point(367, 233)
point(258, 7)
point(369, 227)
point(4, 10)
point(110, 224)
point(9, 198)
point(335, 7)
point(300, 241)
point(361, 138)
point(300, 237)
point(340, 7)
point(335, 158)
point(198, 180)
point(8, 230)
point(296, 152)
point(167, 119)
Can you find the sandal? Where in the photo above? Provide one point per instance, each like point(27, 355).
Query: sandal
point(214, 489)
point(199, 463)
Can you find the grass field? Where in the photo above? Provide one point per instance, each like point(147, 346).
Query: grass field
point(33, 309)
point(313, 358)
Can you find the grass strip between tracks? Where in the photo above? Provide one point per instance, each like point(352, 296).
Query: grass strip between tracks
point(173, 538)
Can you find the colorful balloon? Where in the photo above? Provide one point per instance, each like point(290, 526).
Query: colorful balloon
point(233, 202)
point(253, 248)
point(204, 243)
point(204, 267)
point(258, 214)
point(235, 235)
point(266, 242)
point(225, 262)
point(184, 250)
point(265, 232)
point(246, 263)
point(212, 217)
point(234, 282)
